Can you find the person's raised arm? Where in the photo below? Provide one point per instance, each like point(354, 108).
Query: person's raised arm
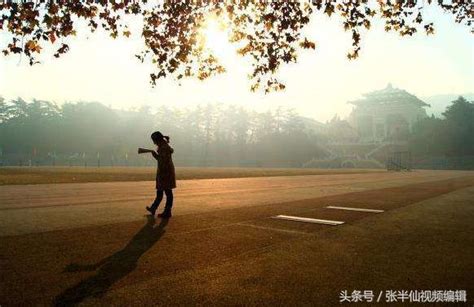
point(144, 150)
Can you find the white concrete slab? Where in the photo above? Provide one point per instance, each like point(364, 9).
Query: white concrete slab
point(307, 220)
point(355, 209)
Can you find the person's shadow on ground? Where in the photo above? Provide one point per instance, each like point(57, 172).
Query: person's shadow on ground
point(112, 268)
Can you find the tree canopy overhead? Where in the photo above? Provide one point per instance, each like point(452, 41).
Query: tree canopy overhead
point(269, 33)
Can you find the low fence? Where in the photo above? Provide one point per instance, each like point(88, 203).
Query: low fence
point(399, 161)
point(73, 160)
point(444, 162)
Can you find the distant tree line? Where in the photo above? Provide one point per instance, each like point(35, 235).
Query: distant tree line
point(450, 137)
point(43, 133)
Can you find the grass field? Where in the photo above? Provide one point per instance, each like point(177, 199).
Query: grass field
point(41, 175)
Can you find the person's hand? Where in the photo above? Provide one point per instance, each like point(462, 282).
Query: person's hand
point(143, 150)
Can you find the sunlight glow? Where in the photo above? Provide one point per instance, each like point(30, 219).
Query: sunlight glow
point(215, 36)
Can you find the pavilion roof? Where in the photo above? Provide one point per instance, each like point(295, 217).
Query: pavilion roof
point(389, 95)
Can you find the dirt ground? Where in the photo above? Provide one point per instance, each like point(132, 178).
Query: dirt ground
point(222, 251)
point(45, 175)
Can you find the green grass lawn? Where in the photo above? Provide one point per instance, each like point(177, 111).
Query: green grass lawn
point(39, 175)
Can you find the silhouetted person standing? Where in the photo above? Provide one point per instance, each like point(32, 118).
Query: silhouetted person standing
point(165, 175)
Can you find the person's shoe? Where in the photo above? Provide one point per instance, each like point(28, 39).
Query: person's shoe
point(149, 209)
point(165, 215)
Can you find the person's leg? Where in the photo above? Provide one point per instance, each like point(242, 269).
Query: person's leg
point(169, 199)
point(169, 203)
point(156, 202)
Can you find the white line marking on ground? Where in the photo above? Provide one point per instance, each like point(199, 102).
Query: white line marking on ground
point(356, 209)
point(307, 220)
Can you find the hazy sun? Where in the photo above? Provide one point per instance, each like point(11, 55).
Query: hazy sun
point(215, 38)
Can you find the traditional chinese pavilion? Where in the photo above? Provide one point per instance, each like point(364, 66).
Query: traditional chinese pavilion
point(385, 115)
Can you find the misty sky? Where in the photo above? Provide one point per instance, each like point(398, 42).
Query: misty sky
point(105, 70)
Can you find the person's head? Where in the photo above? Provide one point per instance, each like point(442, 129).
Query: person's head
point(158, 138)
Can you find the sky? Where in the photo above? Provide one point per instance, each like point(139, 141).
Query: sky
point(98, 68)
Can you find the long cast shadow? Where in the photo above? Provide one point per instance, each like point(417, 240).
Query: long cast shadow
point(112, 268)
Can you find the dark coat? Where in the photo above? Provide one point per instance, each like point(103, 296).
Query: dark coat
point(165, 174)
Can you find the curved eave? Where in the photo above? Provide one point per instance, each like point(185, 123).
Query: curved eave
point(356, 102)
point(388, 101)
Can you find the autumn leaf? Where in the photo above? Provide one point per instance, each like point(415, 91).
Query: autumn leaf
point(306, 44)
point(268, 25)
point(52, 37)
point(63, 49)
point(33, 46)
point(429, 29)
point(367, 24)
point(329, 9)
